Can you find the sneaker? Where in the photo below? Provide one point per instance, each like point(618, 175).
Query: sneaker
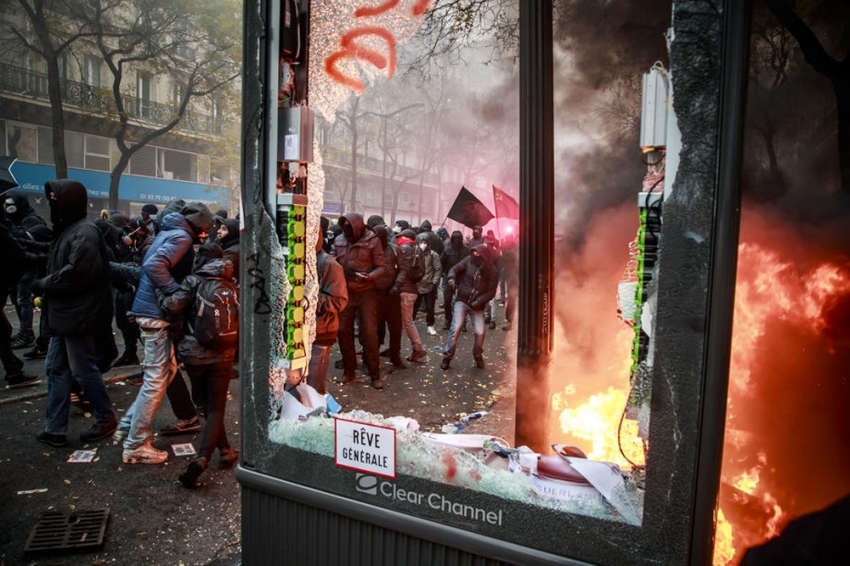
point(445, 363)
point(21, 380)
point(479, 363)
point(57, 440)
point(99, 432)
point(126, 360)
point(377, 383)
point(432, 331)
point(35, 354)
point(416, 355)
point(182, 426)
point(23, 342)
point(144, 454)
point(120, 434)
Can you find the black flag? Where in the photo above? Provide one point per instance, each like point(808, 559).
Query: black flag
point(469, 211)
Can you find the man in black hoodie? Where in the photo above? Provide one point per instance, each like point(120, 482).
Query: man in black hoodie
point(78, 305)
point(451, 256)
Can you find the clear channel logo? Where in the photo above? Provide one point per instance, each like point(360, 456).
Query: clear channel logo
point(373, 485)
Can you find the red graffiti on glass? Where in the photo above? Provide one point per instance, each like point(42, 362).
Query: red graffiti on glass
point(352, 50)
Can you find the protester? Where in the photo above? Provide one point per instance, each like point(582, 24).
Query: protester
point(451, 256)
point(25, 224)
point(475, 280)
point(476, 239)
point(136, 242)
point(14, 258)
point(389, 305)
point(227, 236)
point(510, 268)
point(77, 302)
point(429, 284)
point(409, 291)
point(359, 253)
point(208, 365)
point(496, 255)
point(435, 242)
point(149, 217)
point(333, 296)
point(166, 264)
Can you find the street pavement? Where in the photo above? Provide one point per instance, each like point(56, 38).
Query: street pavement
point(153, 519)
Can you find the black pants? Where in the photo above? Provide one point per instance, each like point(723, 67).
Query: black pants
point(11, 363)
point(365, 305)
point(389, 318)
point(430, 300)
point(209, 387)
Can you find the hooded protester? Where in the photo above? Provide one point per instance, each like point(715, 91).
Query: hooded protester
point(227, 236)
point(451, 256)
point(389, 306)
point(409, 291)
point(26, 224)
point(474, 280)
point(209, 368)
point(152, 218)
point(429, 284)
point(359, 253)
point(135, 243)
point(168, 262)
point(77, 301)
point(435, 242)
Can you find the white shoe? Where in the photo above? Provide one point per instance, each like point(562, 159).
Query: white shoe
point(144, 454)
point(431, 331)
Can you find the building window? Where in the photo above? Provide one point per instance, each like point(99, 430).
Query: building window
point(143, 162)
point(74, 146)
point(91, 70)
point(143, 94)
point(22, 143)
point(177, 165)
point(97, 153)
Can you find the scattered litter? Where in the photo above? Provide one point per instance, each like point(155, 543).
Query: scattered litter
point(81, 457)
point(462, 423)
point(186, 449)
point(31, 491)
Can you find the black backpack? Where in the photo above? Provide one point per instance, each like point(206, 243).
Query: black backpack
point(215, 318)
point(416, 270)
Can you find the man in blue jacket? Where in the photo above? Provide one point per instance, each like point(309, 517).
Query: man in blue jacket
point(166, 264)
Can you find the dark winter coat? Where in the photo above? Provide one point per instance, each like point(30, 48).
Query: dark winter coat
point(406, 249)
point(475, 284)
point(178, 305)
point(168, 261)
point(333, 297)
point(77, 293)
point(363, 255)
point(230, 244)
point(433, 268)
point(26, 223)
point(434, 241)
point(453, 253)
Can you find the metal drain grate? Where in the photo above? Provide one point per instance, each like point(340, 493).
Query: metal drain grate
point(57, 531)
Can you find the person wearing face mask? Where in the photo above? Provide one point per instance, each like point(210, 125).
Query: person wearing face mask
point(474, 280)
point(408, 290)
point(476, 239)
point(359, 252)
point(452, 255)
point(227, 236)
point(167, 263)
point(77, 301)
point(428, 285)
point(26, 225)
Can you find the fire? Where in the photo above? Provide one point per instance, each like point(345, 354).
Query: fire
point(724, 552)
point(598, 421)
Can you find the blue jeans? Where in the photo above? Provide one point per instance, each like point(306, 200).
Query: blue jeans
point(459, 312)
point(320, 357)
point(70, 358)
point(159, 368)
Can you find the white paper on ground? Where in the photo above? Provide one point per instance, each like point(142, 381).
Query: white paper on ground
point(81, 456)
point(186, 449)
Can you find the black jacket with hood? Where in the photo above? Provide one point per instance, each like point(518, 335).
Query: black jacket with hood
point(362, 255)
point(453, 253)
point(230, 244)
point(77, 292)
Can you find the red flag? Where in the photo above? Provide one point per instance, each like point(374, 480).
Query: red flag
point(506, 206)
point(468, 210)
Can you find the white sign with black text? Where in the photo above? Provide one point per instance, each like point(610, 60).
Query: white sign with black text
point(365, 447)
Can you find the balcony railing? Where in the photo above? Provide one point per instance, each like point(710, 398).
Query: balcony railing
point(28, 83)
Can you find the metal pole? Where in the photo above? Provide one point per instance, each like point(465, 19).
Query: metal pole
point(724, 260)
point(537, 225)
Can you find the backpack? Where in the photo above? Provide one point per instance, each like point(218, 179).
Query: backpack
point(215, 319)
point(416, 270)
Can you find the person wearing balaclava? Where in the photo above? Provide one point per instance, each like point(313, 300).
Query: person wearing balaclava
point(168, 261)
point(359, 252)
point(451, 256)
point(26, 225)
point(77, 302)
point(474, 280)
point(476, 239)
point(227, 236)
